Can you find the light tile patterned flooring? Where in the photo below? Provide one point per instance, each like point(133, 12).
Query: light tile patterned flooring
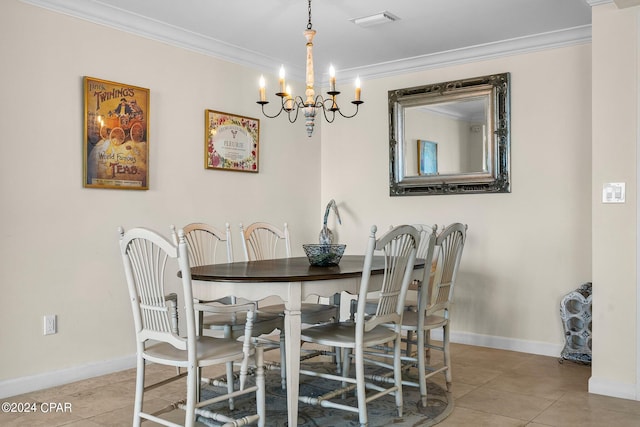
point(490, 387)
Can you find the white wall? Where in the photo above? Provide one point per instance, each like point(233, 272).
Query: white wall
point(615, 139)
point(59, 245)
point(525, 250)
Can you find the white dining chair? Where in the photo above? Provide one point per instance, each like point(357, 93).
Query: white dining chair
point(206, 245)
point(424, 252)
point(398, 246)
point(262, 241)
point(435, 297)
point(145, 256)
point(428, 235)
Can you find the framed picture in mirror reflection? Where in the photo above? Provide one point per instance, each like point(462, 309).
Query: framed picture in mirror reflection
point(427, 157)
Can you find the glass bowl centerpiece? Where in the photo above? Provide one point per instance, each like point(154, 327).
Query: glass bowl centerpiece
point(324, 254)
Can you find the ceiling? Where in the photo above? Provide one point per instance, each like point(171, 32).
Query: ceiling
point(264, 34)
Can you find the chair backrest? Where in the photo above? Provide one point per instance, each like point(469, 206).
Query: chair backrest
point(428, 234)
point(398, 246)
point(426, 250)
point(206, 244)
point(262, 240)
point(449, 245)
point(145, 254)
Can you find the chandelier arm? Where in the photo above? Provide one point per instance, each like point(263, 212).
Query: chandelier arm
point(333, 114)
point(333, 103)
point(268, 116)
point(352, 115)
point(298, 104)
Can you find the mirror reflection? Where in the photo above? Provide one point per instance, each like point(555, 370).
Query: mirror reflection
point(450, 138)
point(446, 138)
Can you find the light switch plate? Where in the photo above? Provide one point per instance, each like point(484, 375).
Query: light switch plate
point(613, 192)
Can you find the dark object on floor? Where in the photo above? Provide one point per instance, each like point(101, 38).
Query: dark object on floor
point(575, 312)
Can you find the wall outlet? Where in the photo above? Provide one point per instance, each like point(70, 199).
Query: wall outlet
point(50, 324)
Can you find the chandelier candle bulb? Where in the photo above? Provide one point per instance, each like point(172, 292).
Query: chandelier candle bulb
point(289, 99)
point(263, 94)
point(282, 85)
point(332, 79)
point(358, 89)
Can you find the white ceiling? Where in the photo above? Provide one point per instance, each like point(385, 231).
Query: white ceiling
point(266, 33)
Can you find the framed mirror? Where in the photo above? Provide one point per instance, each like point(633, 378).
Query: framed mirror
point(451, 137)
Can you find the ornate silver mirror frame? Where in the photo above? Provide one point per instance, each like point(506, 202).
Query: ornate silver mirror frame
point(427, 157)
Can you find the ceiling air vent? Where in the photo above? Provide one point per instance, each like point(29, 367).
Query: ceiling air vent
point(377, 19)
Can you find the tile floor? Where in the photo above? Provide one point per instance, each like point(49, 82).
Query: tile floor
point(490, 387)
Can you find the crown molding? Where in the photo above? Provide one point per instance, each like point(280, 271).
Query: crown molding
point(550, 40)
point(119, 19)
point(593, 3)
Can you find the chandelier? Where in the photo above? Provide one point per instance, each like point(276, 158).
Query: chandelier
point(312, 104)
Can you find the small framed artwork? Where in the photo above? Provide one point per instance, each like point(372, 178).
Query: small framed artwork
point(231, 142)
point(116, 135)
point(427, 157)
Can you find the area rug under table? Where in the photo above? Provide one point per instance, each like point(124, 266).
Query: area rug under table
point(382, 412)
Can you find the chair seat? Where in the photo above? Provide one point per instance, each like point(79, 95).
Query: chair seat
point(210, 350)
point(343, 334)
point(310, 312)
point(410, 320)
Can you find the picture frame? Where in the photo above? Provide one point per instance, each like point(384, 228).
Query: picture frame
point(427, 157)
point(116, 135)
point(231, 142)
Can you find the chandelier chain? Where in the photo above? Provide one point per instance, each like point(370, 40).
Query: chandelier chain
point(309, 23)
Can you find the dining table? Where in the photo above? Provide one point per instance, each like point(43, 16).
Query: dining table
point(292, 280)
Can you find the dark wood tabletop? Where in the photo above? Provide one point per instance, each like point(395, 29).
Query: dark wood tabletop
point(296, 269)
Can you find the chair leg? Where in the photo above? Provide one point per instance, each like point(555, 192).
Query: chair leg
point(409, 342)
point(422, 367)
point(198, 382)
point(228, 334)
point(230, 384)
point(346, 364)
point(283, 361)
point(447, 355)
point(427, 343)
point(137, 406)
point(192, 387)
point(260, 382)
point(397, 373)
point(361, 390)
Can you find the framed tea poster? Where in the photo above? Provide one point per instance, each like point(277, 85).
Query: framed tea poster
point(116, 129)
point(427, 157)
point(231, 142)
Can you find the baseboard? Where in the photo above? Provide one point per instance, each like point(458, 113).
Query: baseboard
point(596, 386)
point(613, 388)
point(502, 343)
point(16, 386)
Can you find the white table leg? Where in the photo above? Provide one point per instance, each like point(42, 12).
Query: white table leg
point(292, 325)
